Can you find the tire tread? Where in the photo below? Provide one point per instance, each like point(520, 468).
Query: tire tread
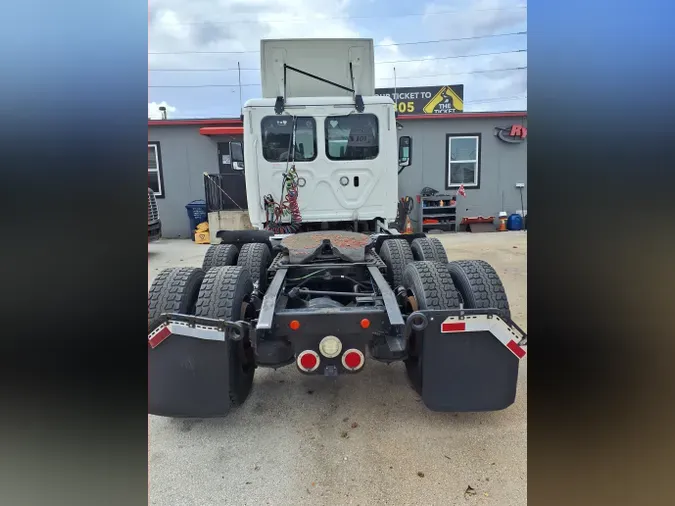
point(396, 254)
point(221, 296)
point(256, 257)
point(433, 288)
point(480, 285)
point(429, 248)
point(219, 255)
point(174, 290)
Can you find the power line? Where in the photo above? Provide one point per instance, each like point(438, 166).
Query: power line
point(452, 57)
point(393, 44)
point(388, 78)
point(479, 101)
point(457, 73)
point(376, 63)
point(314, 19)
point(496, 99)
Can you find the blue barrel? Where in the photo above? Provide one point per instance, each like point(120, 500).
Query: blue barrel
point(514, 222)
point(196, 214)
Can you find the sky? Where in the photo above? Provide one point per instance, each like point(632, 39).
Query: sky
point(193, 34)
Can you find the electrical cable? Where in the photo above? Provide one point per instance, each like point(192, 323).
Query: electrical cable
point(393, 44)
point(230, 69)
point(486, 71)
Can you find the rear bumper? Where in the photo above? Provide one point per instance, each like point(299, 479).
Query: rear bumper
point(154, 231)
point(469, 359)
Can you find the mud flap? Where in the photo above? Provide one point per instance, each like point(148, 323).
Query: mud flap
point(188, 377)
point(467, 371)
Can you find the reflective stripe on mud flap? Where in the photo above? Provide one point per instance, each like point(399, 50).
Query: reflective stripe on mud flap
point(481, 323)
point(198, 331)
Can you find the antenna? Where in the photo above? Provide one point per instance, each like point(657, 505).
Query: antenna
point(395, 95)
point(240, 105)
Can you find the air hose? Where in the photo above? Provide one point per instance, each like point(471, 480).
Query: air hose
point(287, 206)
point(275, 212)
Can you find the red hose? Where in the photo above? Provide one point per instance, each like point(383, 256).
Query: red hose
point(288, 206)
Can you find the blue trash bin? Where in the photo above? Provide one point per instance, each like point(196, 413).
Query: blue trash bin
point(196, 214)
point(514, 222)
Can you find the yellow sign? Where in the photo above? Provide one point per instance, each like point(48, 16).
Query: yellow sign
point(447, 99)
point(426, 99)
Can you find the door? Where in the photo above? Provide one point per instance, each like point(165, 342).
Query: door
point(232, 180)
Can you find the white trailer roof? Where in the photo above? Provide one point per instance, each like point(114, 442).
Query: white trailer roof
point(327, 58)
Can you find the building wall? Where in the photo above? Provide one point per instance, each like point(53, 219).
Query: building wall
point(502, 165)
point(185, 156)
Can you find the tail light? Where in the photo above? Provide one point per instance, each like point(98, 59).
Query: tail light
point(308, 361)
point(353, 360)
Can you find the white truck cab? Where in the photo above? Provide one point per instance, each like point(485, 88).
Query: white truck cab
point(319, 114)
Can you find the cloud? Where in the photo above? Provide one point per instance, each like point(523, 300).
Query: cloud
point(236, 27)
point(155, 113)
point(486, 86)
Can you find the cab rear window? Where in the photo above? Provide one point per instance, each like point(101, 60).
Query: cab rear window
point(352, 137)
point(277, 132)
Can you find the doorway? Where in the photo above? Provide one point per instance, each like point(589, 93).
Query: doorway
point(232, 181)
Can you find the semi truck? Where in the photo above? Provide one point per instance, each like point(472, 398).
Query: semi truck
point(326, 283)
point(154, 223)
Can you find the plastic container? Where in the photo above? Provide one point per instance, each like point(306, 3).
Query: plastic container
point(196, 211)
point(514, 222)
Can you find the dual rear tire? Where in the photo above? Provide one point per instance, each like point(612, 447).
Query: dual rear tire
point(256, 257)
point(222, 292)
point(397, 254)
point(437, 286)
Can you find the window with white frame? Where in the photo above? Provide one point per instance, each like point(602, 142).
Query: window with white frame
point(463, 160)
point(155, 181)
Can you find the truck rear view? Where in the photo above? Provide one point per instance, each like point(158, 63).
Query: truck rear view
point(325, 285)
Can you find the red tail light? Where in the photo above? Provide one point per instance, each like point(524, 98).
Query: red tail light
point(353, 360)
point(308, 361)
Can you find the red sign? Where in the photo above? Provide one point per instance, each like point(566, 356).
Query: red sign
point(512, 134)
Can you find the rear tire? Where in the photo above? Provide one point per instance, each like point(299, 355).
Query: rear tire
point(396, 254)
point(429, 249)
point(224, 294)
point(220, 255)
point(174, 290)
point(432, 287)
point(256, 257)
point(479, 285)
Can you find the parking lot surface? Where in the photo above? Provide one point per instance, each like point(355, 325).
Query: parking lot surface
point(360, 439)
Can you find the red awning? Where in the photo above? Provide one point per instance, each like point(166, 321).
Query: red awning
point(228, 130)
